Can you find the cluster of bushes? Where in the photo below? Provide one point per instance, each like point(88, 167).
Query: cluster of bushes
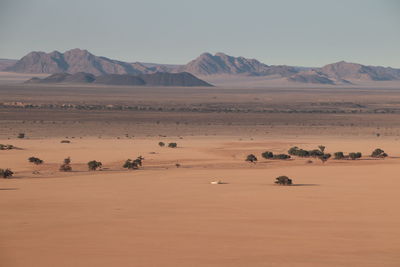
point(314, 153)
point(171, 145)
point(133, 164)
point(6, 173)
point(270, 155)
point(352, 155)
point(35, 160)
point(6, 147)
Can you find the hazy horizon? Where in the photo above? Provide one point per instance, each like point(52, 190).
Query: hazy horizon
point(311, 33)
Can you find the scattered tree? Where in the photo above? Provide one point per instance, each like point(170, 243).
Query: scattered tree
point(355, 155)
point(7, 173)
point(66, 166)
point(6, 147)
point(267, 155)
point(35, 160)
point(133, 164)
point(94, 165)
point(172, 145)
point(379, 153)
point(324, 157)
point(338, 155)
point(161, 144)
point(321, 148)
point(283, 180)
point(251, 158)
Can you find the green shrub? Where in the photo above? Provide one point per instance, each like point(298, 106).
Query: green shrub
point(172, 145)
point(133, 164)
point(94, 165)
point(355, 155)
point(338, 155)
point(251, 158)
point(281, 156)
point(35, 160)
point(267, 155)
point(161, 144)
point(6, 173)
point(378, 153)
point(324, 157)
point(66, 166)
point(283, 180)
point(6, 147)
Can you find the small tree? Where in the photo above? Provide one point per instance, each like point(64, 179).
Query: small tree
point(251, 158)
point(7, 173)
point(355, 155)
point(281, 156)
point(133, 164)
point(379, 153)
point(267, 155)
point(338, 155)
point(283, 180)
point(324, 157)
point(321, 148)
point(66, 166)
point(161, 144)
point(35, 160)
point(173, 145)
point(94, 165)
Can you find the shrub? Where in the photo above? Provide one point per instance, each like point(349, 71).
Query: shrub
point(324, 157)
point(267, 155)
point(35, 160)
point(21, 135)
point(66, 167)
point(295, 151)
point(316, 153)
point(6, 147)
point(133, 164)
point(161, 144)
point(7, 173)
point(178, 165)
point(283, 180)
point(94, 165)
point(281, 156)
point(355, 155)
point(65, 142)
point(321, 148)
point(251, 158)
point(338, 155)
point(379, 153)
point(172, 145)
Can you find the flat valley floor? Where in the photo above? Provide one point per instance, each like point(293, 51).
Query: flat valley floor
point(338, 213)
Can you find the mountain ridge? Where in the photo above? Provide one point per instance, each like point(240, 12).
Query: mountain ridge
point(78, 60)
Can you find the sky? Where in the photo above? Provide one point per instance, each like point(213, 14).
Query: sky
point(292, 32)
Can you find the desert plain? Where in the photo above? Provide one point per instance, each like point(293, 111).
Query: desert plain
point(337, 213)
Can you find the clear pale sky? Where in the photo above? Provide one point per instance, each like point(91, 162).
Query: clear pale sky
point(297, 32)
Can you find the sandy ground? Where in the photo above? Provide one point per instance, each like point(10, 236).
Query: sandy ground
point(341, 213)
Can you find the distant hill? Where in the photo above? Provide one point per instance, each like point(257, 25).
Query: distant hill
point(205, 66)
point(155, 79)
point(73, 61)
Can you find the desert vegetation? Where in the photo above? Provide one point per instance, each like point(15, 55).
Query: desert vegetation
point(271, 155)
point(133, 164)
point(65, 142)
point(173, 145)
point(94, 165)
point(314, 153)
point(283, 180)
point(251, 158)
point(66, 166)
point(6, 173)
point(355, 155)
point(35, 160)
point(378, 153)
point(21, 135)
point(6, 147)
point(161, 144)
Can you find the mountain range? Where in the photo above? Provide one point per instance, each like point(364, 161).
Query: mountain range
point(206, 65)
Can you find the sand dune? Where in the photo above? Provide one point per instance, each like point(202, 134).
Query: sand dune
point(342, 213)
